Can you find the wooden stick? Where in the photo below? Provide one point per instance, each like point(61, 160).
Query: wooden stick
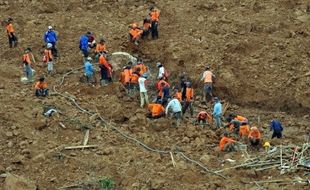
point(86, 137)
point(281, 155)
point(80, 147)
point(269, 167)
point(62, 125)
point(33, 59)
point(172, 159)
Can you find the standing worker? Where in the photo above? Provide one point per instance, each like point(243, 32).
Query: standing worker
point(11, 33)
point(27, 65)
point(143, 91)
point(189, 98)
point(84, 45)
point(154, 14)
point(49, 58)
point(277, 128)
point(100, 49)
point(89, 70)
point(51, 37)
point(146, 28)
point(217, 112)
point(207, 78)
point(176, 108)
point(105, 70)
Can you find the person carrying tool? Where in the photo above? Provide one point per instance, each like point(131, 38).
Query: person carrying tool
point(84, 44)
point(176, 108)
point(154, 14)
point(105, 70)
point(207, 77)
point(254, 136)
point(146, 28)
point(27, 65)
point(227, 144)
point(50, 37)
point(203, 118)
point(135, 33)
point(89, 70)
point(155, 110)
point(11, 33)
point(100, 49)
point(48, 58)
point(41, 87)
point(277, 128)
point(217, 112)
point(143, 90)
point(189, 98)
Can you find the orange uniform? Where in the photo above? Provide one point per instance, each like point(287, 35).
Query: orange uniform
point(204, 115)
point(244, 130)
point(224, 141)
point(241, 118)
point(154, 14)
point(125, 76)
point(40, 85)
point(160, 88)
point(26, 58)
point(178, 95)
point(142, 68)
point(48, 55)
point(156, 109)
point(100, 48)
point(103, 61)
point(254, 133)
point(146, 26)
point(9, 28)
point(189, 94)
point(134, 78)
point(135, 33)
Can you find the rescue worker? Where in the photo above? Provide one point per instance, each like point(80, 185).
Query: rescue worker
point(135, 33)
point(89, 70)
point(207, 77)
point(227, 144)
point(155, 110)
point(50, 37)
point(277, 128)
point(183, 80)
point(203, 118)
point(176, 108)
point(41, 87)
point(217, 112)
point(27, 65)
point(154, 15)
point(100, 49)
point(235, 121)
point(178, 94)
point(125, 77)
point(11, 33)
point(91, 40)
point(105, 70)
point(146, 28)
point(189, 98)
point(48, 57)
point(165, 88)
point(134, 77)
point(143, 68)
point(84, 45)
point(162, 73)
point(244, 131)
point(162, 86)
point(143, 90)
point(254, 136)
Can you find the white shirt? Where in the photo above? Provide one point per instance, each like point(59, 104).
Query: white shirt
point(161, 72)
point(141, 81)
point(175, 105)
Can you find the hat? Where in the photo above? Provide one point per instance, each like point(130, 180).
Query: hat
point(42, 78)
point(49, 45)
point(158, 64)
point(50, 27)
point(89, 59)
point(145, 75)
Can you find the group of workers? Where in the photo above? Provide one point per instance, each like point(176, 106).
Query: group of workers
point(150, 25)
point(170, 100)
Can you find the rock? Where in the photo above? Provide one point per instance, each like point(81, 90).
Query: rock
point(26, 151)
point(205, 159)
point(200, 18)
point(14, 182)
point(9, 134)
point(186, 140)
point(108, 151)
point(2, 169)
point(157, 183)
point(10, 144)
point(15, 132)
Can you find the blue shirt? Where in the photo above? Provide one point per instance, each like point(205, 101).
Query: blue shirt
point(276, 126)
point(175, 105)
point(217, 110)
point(50, 37)
point(84, 42)
point(166, 93)
point(88, 68)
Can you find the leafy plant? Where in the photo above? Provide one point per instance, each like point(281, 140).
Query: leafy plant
point(106, 183)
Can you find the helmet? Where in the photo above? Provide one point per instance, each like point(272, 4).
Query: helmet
point(134, 25)
point(158, 64)
point(49, 45)
point(145, 75)
point(89, 59)
point(266, 144)
point(50, 27)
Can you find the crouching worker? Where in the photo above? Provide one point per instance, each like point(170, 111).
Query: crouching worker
point(203, 118)
point(254, 136)
point(155, 110)
point(41, 88)
point(176, 109)
point(227, 144)
point(135, 33)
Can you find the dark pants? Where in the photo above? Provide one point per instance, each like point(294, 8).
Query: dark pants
point(12, 40)
point(54, 50)
point(277, 134)
point(104, 73)
point(85, 52)
point(254, 142)
point(146, 33)
point(41, 92)
point(186, 106)
point(154, 25)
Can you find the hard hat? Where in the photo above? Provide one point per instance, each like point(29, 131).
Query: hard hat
point(266, 144)
point(89, 59)
point(50, 27)
point(145, 75)
point(49, 45)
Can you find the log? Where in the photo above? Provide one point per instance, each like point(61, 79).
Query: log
point(62, 125)
point(86, 137)
point(80, 147)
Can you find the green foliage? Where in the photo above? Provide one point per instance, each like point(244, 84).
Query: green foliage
point(106, 183)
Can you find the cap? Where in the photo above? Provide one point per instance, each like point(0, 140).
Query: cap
point(158, 64)
point(49, 45)
point(145, 75)
point(89, 59)
point(50, 27)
